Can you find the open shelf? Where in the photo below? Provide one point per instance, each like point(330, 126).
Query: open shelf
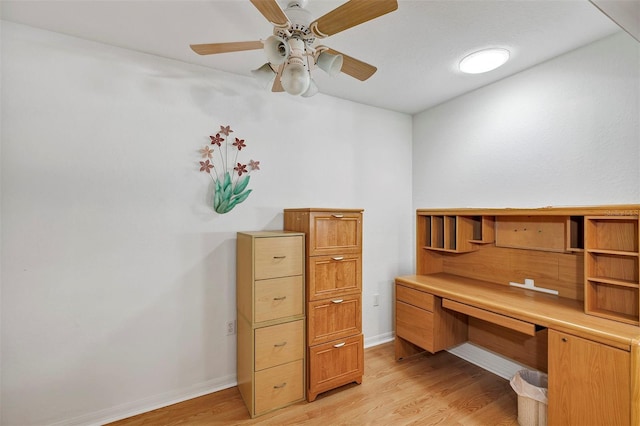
point(575, 233)
point(483, 230)
point(612, 275)
point(612, 301)
point(616, 233)
point(619, 267)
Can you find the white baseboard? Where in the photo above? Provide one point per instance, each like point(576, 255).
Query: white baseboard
point(490, 361)
point(379, 339)
point(144, 405)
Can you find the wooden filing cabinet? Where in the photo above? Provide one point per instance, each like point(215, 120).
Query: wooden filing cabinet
point(271, 319)
point(333, 295)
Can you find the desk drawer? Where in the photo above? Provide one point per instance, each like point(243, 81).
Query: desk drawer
point(502, 320)
point(415, 325)
point(279, 344)
point(415, 297)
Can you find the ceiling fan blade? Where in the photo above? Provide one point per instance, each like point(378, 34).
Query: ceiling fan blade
point(272, 11)
point(211, 48)
point(350, 14)
point(277, 85)
point(354, 67)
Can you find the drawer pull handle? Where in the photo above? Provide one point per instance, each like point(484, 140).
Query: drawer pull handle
point(279, 345)
point(279, 257)
point(337, 301)
point(280, 298)
point(280, 386)
point(564, 339)
point(338, 216)
point(339, 345)
point(338, 258)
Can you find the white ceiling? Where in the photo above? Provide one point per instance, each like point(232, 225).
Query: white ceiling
point(416, 48)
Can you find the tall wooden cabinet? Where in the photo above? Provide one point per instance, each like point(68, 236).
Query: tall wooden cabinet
point(271, 319)
point(335, 345)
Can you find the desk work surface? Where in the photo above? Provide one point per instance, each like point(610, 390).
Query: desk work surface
point(545, 310)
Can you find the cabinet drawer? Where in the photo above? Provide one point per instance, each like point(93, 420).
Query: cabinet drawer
point(334, 319)
point(415, 325)
point(335, 232)
point(334, 364)
point(335, 275)
point(415, 297)
point(279, 344)
point(279, 298)
point(279, 386)
point(278, 257)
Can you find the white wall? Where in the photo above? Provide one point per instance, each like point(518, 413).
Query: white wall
point(565, 132)
point(117, 276)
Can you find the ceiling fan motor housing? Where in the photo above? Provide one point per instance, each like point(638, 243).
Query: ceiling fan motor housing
point(300, 20)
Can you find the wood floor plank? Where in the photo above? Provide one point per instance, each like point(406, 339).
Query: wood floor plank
point(439, 389)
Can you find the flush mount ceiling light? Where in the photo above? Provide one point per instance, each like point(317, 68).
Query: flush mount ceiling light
point(484, 60)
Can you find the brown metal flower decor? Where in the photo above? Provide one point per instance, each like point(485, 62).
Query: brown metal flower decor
point(230, 186)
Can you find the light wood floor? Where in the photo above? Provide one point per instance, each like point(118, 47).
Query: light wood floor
point(439, 389)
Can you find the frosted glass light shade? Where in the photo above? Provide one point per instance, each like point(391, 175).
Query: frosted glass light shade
point(312, 90)
point(295, 79)
point(331, 64)
point(484, 60)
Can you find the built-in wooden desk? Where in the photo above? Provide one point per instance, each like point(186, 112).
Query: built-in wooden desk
point(543, 310)
point(587, 338)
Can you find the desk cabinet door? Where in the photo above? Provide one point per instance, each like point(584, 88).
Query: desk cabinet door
point(589, 382)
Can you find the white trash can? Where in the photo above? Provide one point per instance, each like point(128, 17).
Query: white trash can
point(531, 387)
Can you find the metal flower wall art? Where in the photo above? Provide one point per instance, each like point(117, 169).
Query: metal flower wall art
point(230, 178)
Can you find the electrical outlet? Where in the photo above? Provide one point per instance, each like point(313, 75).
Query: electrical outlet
point(376, 299)
point(231, 328)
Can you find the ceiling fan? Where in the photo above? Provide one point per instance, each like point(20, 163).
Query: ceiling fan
point(292, 52)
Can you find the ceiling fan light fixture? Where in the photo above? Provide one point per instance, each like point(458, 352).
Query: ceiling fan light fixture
point(277, 49)
point(312, 90)
point(484, 60)
point(331, 64)
point(264, 74)
point(295, 78)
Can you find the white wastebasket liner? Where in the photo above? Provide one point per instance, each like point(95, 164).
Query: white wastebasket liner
point(531, 384)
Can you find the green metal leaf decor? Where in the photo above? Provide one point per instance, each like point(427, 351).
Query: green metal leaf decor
point(228, 192)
